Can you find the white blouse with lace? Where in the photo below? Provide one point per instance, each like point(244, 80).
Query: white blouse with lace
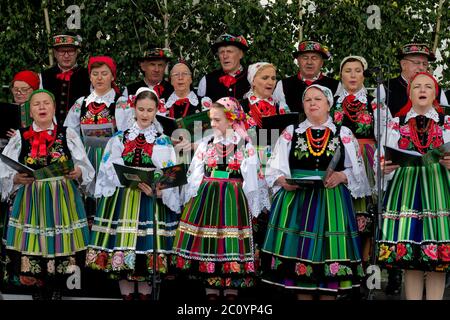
point(249, 167)
point(278, 164)
point(361, 95)
point(124, 114)
point(393, 135)
point(163, 155)
point(77, 151)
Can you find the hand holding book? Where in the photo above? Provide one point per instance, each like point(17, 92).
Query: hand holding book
point(287, 185)
point(408, 158)
point(22, 178)
point(445, 161)
point(74, 174)
point(335, 179)
point(145, 188)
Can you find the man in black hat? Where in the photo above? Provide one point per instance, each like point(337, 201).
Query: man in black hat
point(414, 58)
point(66, 80)
point(153, 64)
point(310, 58)
point(231, 79)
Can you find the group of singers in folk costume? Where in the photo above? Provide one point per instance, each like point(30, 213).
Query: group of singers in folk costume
point(297, 213)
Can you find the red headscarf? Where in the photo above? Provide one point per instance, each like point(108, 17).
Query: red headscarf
point(29, 77)
point(111, 65)
point(403, 111)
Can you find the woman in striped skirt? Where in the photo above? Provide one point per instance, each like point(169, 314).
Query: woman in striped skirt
point(122, 234)
point(355, 108)
point(47, 228)
point(312, 244)
point(416, 224)
point(259, 103)
point(214, 240)
point(104, 106)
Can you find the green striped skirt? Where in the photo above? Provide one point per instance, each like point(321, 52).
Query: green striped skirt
point(95, 156)
point(214, 240)
point(364, 216)
point(46, 229)
point(121, 240)
point(416, 223)
point(312, 241)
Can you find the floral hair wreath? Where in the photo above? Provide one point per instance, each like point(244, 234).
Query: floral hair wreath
point(233, 111)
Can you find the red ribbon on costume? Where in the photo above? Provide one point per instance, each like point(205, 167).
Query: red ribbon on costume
point(39, 141)
point(308, 82)
point(180, 103)
point(350, 98)
point(227, 80)
point(95, 108)
point(131, 101)
point(262, 109)
point(159, 89)
point(65, 76)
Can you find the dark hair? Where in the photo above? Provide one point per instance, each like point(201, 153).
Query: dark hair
point(351, 60)
point(99, 64)
point(146, 95)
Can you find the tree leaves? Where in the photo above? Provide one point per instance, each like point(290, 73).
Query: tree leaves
point(129, 27)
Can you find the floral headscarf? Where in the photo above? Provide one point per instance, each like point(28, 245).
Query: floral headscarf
point(236, 115)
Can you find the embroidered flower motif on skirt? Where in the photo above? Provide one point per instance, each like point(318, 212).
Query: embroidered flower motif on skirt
point(129, 259)
point(102, 261)
point(117, 261)
point(401, 252)
point(444, 252)
point(303, 270)
point(384, 253)
point(91, 256)
point(161, 263)
point(275, 263)
point(429, 252)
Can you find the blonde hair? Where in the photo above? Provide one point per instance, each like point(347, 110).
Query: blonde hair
point(264, 67)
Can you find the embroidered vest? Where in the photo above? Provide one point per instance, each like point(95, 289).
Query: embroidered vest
point(56, 150)
point(301, 158)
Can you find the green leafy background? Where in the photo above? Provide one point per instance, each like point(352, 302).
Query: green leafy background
point(124, 29)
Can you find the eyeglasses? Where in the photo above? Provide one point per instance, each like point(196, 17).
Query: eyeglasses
point(70, 52)
point(418, 63)
point(20, 90)
point(180, 74)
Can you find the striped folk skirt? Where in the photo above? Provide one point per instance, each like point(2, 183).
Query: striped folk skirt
point(312, 241)
point(122, 234)
point(364, 216)
point(95, 155)
point(214, 240)
point(416, 223)
point(47, 229)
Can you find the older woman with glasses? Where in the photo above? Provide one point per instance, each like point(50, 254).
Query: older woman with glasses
point(181, 103)
point(22, 85)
